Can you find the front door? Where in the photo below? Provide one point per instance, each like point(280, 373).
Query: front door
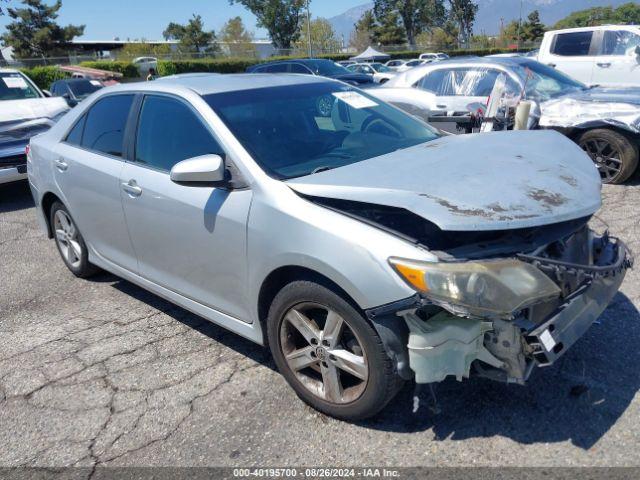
point(188, 239)
point(617, 63)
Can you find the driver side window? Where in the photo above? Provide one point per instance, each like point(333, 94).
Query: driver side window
point(169, 132)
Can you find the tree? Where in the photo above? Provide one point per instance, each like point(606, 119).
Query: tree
point(416, 15)
point(533, 29)
point(192, 36)
point(238, 40)
point(281, 18)
point(132, 50)
point(323, 38)
point(364, 31)
point(463, 12)
point(627, 13)
point(389, 30)
point(33, 31)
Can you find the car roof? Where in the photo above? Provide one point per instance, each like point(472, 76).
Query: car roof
point(9, 70)
point(596, 27)
point(206, 84)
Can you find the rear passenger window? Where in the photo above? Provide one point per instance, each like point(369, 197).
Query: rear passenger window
point(169, 132)
point(105, 124)
point(75, 135)
point(297, 68)
point(574, 44)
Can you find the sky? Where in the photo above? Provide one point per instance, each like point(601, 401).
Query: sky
point(107, 19)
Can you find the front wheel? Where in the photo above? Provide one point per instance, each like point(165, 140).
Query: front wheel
point(614, 154)
point(329, 353)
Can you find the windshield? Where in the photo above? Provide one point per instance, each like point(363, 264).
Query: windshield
point(326, 68)
point(84, 88)
point(14, 86)
point(543, 82)
point(379, 67)
point(297, 130)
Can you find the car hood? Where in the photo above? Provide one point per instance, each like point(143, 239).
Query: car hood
point(489, 181)
point(22, 119)
point(619, 107)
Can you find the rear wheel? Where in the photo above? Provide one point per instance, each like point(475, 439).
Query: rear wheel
point(329, 353)
point(614, 154)
point(70, 243)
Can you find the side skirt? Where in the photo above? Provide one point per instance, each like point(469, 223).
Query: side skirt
point(250, 331)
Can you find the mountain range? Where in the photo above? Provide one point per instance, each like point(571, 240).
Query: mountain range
point(490, 13)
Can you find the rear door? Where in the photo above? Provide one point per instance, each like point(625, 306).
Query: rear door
point(617, 63)
point(458, 87)
point(87, 170)
point(190, 239)
point(573, 53)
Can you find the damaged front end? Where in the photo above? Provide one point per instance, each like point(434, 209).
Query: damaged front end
point(500, 317)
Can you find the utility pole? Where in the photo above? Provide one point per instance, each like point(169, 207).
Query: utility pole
point(309, 30)
point(520, 25)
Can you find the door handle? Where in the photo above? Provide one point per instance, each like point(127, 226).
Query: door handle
point(61, 165)
point(441, 106)
point(132, 188)
point(604, 65)
point(552, 65)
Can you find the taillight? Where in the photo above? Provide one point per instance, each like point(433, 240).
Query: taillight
point(27, 149)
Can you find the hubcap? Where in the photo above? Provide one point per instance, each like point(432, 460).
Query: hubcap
point(324, 353)
point(605, 156)
point(67, 238)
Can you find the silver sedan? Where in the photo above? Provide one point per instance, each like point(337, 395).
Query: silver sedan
point(357, 243)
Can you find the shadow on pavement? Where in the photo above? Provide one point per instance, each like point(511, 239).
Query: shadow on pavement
point(211, 330)
point(578, 399)
point(15, 196)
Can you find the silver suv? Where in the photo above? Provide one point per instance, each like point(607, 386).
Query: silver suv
point(357, 243)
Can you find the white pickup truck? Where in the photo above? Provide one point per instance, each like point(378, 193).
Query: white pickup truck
point(608, 55)
point(25, 111)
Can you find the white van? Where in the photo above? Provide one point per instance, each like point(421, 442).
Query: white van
point(608, 55)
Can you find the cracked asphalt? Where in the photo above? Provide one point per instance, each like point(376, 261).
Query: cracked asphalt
point(102, 373)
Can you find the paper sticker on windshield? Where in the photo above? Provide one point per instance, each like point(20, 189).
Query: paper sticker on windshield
point(355, 99)
point(96, 83)
point(15, 82)
point(547, 340)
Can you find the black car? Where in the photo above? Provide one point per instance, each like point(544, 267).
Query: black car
point(313, 66)
point(74, 90)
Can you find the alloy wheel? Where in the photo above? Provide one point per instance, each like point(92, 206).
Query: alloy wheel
point(606, 157)
point(66, 235)
point(324, 353)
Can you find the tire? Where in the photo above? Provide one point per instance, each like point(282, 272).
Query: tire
point(365, 375)
point(615, 155)
point(69, 241)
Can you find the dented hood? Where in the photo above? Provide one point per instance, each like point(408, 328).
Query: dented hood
point(22, 119)
point(488, 181)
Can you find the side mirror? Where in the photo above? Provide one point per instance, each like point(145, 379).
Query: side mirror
point(204, 169)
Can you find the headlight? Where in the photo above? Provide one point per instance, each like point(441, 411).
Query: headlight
point(497, 287)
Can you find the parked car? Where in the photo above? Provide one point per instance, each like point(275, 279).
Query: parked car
point(395, 64)
point(608, 55)
point(433, 57)
point(145, 63)
point(604, 122)
point(306, 215)
point(75, 90)
point(416, 62)
point(346, 63)
point(321, 67)
point(380, 72)
point(24, 112)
